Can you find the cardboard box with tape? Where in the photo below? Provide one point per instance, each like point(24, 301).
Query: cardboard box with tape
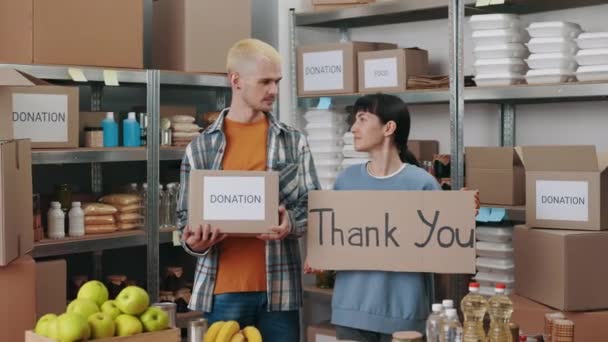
point(18, 297)
point(566, 187)
point(388, 70)
point(423, 150)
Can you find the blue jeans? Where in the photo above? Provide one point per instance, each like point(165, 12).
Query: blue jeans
point(250, 308)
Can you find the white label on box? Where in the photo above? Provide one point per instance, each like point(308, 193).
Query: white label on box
point(234, 199)
point(381, 73)
point(562, 200)
point(323, 70)
point(40, 117)
point(325, 338)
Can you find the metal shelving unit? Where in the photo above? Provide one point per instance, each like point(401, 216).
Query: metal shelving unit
point(89, 243)
point(101, 155)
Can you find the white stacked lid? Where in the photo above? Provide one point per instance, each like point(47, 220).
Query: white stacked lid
point(351, 156)
point(499, 49)
point(495, 262)
point(592, 57)
point(553, 52)
point(325, 129)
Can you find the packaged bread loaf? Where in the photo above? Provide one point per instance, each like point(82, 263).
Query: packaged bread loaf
point(100, 229)
point(128, 226)
point(129, 217)
point(120, 199)
point(185, 127)
point(99, 220)
point(187, 119)
point(93, 209)
point(185, 134)
point(131, 208)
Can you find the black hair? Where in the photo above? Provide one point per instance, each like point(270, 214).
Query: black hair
point(389, 108)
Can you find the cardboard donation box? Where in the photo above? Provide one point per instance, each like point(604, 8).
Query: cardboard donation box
point(51, 287)
point(329, 5)
point(324, 332)
point(16, 208)
point(388, 70)
point(16, 31)
point(169, 335)
point(107, 33)
point(195, 36)
point(237, 202)
point(562, 268)
point(498, 173)
point(331, 68)
point(423, 150)
point(33, 109)
point(566, 187)
point(403, 231)
point(18, 297)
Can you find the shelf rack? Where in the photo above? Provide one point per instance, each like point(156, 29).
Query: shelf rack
point(101, 155)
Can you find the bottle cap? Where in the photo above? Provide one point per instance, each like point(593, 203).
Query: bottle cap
point(55, 205)
point(451, 312)
point(437, 307)
point(110, 115)
point(500, 288)
point(76, 204)
point(447, 303)
point(474, 287)
point(131, 115)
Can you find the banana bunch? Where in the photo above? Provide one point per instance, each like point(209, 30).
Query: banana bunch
point(231, 332)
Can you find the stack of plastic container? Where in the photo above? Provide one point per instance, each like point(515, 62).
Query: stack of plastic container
point(553, 49)
point(351, 156)
point(592, 56)
point(325, 129)
point(495, 262)
point(499, 49)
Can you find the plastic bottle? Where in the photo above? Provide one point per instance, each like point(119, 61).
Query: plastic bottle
point(433, 324)
point(446, 304)
point(474, 307)
point(56, 221)
point(76, 222)
point(500, 309)
point(131, 135)
point(452, 329)
point(110, 131)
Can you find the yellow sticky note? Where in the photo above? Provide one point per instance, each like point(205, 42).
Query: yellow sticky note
point(110, 77)
point(497, 2)
point(77, 75)
point(481, 3)
point(176, 238)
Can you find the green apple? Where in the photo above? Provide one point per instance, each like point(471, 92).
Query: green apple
point(95, 291)
point(132, 300)
point(101, 325)
point(72, 327)
point(42, 326)
point(53, 330)
point(154, 319)
point(127, 325)
point(110, 307)
point(83, 307)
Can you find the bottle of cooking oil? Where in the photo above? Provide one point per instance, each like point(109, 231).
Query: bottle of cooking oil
point(451, 328)
point(474, 307)
point(500, 309)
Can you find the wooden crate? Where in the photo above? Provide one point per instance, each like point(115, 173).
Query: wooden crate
point(169, 335)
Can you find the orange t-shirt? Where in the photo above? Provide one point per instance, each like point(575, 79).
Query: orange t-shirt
point(242, 260)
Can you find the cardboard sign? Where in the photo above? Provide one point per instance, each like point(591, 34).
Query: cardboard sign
point(40, 117)
point(402, 231)
point(562, 200)
point(381, 73)
point(236, 202)
point(323, 70)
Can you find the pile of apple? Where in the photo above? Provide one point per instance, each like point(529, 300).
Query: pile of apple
point(92, 316)
point(231, 332)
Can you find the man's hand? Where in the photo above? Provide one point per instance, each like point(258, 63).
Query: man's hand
point(282, 230)
point(200, 238)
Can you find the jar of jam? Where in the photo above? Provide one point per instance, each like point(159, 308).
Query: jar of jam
point(326, 279)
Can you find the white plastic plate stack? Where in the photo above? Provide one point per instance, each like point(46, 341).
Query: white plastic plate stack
point(325, 129)
point(495, 262)
point(592, 56)
point(351, 156)
point(553, 52)
point(499, 49)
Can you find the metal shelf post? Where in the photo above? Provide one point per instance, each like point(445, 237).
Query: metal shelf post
point(292, 66)
point(507, 124)
point(152, 149)
point(456, 15)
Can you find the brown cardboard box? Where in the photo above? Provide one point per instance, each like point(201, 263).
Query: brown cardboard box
point(423, 150)
point(16, 31)
point(498, 173)
point(195, 36)
point(253, 213)
point(33, 109)
point(51, 288)
point(338, 2)
point(331, 68)
point(589, 326)
point(105, 33)
point(561, 268)
point(18, 298)
point(566, 187)
point(16, 207)
point(333, 7)
point(388, 70)
point(321, 332)
point(169, 335)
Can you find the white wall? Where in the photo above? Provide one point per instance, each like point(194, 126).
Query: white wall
point(563, 123)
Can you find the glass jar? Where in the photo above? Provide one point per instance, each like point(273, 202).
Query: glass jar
point(326, 279)
point(165, 208)
point(173, 193)
point(93, 137)
point(407, 336)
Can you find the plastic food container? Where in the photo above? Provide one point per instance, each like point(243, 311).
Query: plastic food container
point(348, 138)
point(549, 76)
point(493, 21)
point(324, 142)
point(488, 289)
point(500, 65)
point(550, 45)
point(554, 29)
point(327, 183)
point(327, 174)
point(557, 60)
point(502, 36)
point(491, 265)
point(591, 73)
point(495, 277)
point(494, 250)
point(494, 234)
point(501, 79)
point(355, 154)
point(327, 152)
point(510, 50)
point(592, 40)
point(321, 114)
point(353, 161)
point(592, 57)
point(327, 133)
point(322, 169)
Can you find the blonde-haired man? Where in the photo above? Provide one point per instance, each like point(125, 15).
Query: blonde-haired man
point(257, 280)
